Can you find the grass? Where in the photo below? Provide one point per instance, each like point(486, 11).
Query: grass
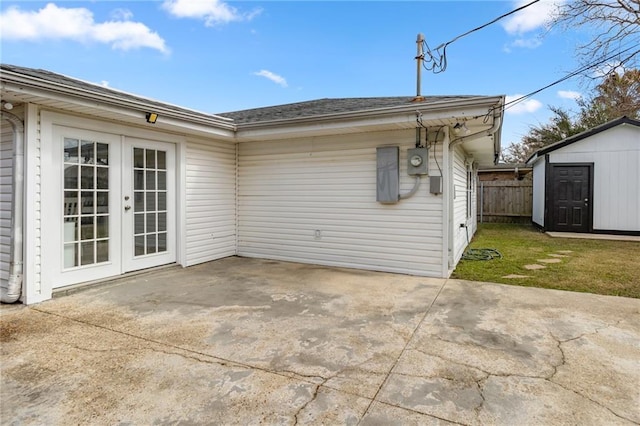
point(592, 266)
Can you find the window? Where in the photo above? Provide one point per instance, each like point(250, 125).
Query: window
point(470, 189)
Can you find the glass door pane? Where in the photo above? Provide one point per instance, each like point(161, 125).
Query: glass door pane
point(149, 206)
point(85, 202)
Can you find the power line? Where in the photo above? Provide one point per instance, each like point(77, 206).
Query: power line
point(438, 61)
point(578, 71)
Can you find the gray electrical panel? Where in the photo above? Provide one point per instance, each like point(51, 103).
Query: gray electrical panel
point(388, 174)
point(435, 184)
point(417, 160)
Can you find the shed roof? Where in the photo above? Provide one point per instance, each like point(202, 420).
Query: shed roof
point(580, 136)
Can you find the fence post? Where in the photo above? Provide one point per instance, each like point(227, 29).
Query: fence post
point(481, 200)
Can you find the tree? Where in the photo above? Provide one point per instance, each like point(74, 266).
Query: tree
point(616, 26)
point(616, 96)
point(559, 127)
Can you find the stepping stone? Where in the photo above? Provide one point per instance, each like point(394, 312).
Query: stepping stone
point(516, 276)
point(557, 255)
point(534, 267)
point(549, 260)
point(565, 251)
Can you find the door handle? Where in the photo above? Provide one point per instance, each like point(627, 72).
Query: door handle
point(127, 208)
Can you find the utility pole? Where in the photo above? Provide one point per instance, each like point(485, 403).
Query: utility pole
point(419, 59)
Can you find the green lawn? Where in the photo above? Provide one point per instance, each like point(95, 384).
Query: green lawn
point(593, 266)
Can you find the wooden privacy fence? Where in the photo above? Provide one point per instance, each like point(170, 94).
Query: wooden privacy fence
point(505, 201)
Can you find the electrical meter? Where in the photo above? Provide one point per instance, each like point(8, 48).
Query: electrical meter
point(417, 161)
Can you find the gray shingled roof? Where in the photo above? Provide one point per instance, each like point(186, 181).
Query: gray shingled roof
point(312, 108)
point(60, 79)
point(327, 106)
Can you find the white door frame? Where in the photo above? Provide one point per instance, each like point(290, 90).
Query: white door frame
point(51, 273)
point(130, 261)
point(53, 234)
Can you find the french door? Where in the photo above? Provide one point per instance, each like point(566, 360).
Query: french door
point(148, 204)
point(108, 205)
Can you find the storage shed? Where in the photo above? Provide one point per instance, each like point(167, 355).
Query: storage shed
point(590, 182)
point(109, 182)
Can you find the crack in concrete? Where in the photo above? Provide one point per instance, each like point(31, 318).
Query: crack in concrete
point(487, 373)
point(595, 402)
point(480, 383)
point(404, 349)
point(548, 378)
point(421, 413)
point(180, 351)
point(563, 362)
point(306, 404)
point(560, 342)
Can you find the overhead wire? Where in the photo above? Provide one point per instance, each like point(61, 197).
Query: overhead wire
point(578, 71)
point(437, 62)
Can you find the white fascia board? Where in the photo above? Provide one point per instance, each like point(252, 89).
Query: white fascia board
point(394, 117)
point(38, 87)
point(166, 121)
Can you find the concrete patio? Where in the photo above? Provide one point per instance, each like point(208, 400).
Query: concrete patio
point(246, 341)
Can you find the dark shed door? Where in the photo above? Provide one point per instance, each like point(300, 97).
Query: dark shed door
point(570, 198)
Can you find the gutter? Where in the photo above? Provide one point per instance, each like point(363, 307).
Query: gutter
point(14, 290)
point(375, 113)
point(497, 122)
point(23, 83)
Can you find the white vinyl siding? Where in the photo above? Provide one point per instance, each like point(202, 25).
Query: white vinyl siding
point(6, 168)
point(616, 175)
point(460, 199)
point(210, 201)
point(538, 192)
point(313, 200)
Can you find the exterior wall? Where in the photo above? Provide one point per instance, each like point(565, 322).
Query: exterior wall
point(537, 215)
point(461, 234)
point(313, 200)
point(473, 220)
point(6, 169)
point(210, 200)
point(616, 192)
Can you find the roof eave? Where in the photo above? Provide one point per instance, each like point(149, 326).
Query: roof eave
point(33, 85)
point(377, 112)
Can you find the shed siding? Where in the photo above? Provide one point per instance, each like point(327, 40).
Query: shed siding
point(313, 200)
point(537, 215)
point(210, 200)
point(6, 196)
point(460, 194)
point(616, 190)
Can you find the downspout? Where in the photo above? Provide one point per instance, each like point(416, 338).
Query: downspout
point(14, 290)
point(497, 122)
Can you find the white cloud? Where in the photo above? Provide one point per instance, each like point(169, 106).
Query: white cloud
point(569, 94)
point(532, 17)
point(522, 107)
point(524, 43)
point(53, 22)
point(273, 77)
point(104, 83)
point(121, 14)
point(529, 43)
point(211, 11)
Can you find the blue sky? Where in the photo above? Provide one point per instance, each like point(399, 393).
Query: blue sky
point(219, 56)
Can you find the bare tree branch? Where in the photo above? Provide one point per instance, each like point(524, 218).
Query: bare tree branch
point(616, 23)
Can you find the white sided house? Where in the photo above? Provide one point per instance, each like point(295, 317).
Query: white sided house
point(590, 182)
point(98, 183)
